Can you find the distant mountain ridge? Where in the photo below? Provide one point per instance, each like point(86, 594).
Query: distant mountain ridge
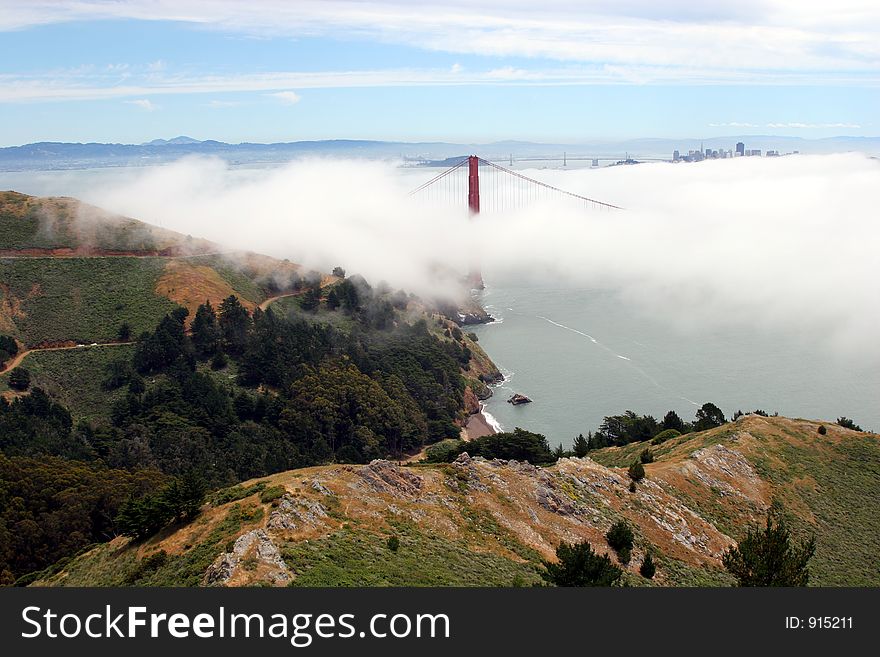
point(66, 155)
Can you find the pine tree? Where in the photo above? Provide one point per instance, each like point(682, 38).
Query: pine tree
point(205, 330)
point(578, 565)
point(234, 323)
point(768, 558)
point(636, 471)
point(20, 379)
point(647, 569)
point(581, 446)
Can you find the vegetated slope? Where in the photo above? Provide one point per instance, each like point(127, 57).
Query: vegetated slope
point(75, 377)
point(826, 484)
point(478, 522)
point(72, 273)
point(66, 226)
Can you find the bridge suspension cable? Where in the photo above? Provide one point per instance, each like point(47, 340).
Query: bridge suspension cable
point(498, 189)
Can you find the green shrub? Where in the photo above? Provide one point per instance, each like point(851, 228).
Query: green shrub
point(632, 487)
point(636, 471)
point(20, 379)
point(822, 430)
point(846, 423)
point(235, 493)
point(272, 493)
point(393, 543)
point(620, 536)
point(444, 451)
point(647, 456)
point(520, 445)
point(219, 361)
point(624, 555)
point(578, 565)
point(473, 336)
point(647, 569)
point(663, 436)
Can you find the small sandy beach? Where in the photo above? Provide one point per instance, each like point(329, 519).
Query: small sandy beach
point(477, 426)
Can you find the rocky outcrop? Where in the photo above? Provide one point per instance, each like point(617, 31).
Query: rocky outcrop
point(471, 401)
point(517, 399)
point(383, 476)
point(252, 551)
point(295, 512)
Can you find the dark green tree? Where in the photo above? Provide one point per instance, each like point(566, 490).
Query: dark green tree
point(846, 423)
point(20, 379)
point(620, 536)
point(647, 456)
point(234, 323)
point(636, 471)
point(333, 300)
point(578, 565)
point(205, 331)
point(708, 416)
point(647, 569)
point(311, 299)
point(581, 446)
point(124, 332)
point(767, 557)
point(672, 421)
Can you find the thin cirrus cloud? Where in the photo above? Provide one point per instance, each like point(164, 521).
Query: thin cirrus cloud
point(638, 40)
point(287, 97)
point(144, 104)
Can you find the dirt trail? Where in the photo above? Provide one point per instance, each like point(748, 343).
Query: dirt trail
point(268, 302)
point(15, 362)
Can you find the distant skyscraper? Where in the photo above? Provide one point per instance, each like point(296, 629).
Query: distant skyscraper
point(740, 148)
point(676, 156)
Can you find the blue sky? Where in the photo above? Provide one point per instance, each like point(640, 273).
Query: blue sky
point(483, 70)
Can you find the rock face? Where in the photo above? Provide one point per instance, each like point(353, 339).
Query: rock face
point(252, 551)
point(385, 477)
point(471, 401)
point(294, 512)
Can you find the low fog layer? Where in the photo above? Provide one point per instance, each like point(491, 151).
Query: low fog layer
point(787, 244)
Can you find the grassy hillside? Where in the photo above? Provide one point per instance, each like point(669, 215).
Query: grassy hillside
point(68, 226)
point(480, 522)
point(80, 299)
point(74, 377)
point(826, 483)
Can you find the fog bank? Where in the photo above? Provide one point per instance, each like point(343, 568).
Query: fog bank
point(785, 244)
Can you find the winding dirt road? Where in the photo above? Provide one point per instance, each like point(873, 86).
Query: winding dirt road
point(20, 356)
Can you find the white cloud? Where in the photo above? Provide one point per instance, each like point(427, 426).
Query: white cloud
point(144, 104)
point(287, 97)
point(646, 38)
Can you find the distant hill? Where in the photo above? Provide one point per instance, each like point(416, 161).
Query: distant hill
point(479, 522)
point(62, 155)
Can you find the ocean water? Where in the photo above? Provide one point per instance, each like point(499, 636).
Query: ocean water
point(581, 354)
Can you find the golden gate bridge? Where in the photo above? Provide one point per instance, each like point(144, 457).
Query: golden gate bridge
point(502, 189)
point(506, 190)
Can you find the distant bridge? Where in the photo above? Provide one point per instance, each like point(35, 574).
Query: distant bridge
point(504, 190)
point(481, 185)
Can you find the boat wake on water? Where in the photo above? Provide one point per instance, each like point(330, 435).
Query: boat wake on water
point(638, 369)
